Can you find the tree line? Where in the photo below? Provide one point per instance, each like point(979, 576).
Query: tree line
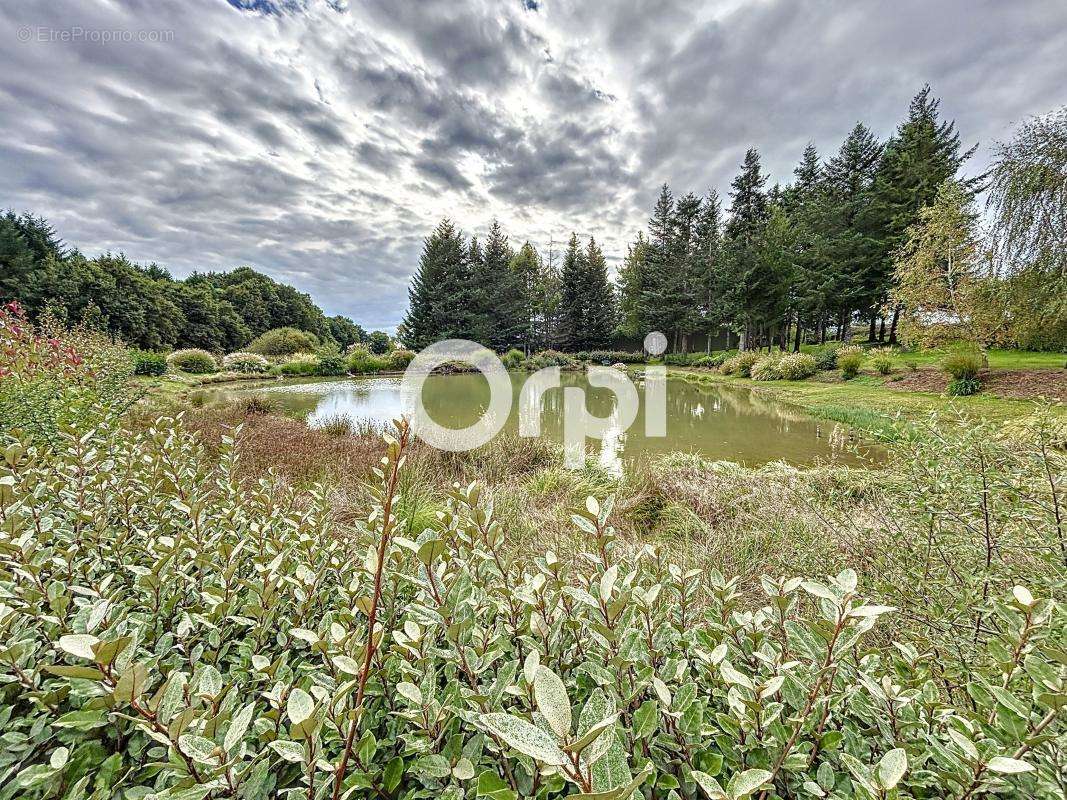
point(144, 305)
point(787, 264)
point(504, 298)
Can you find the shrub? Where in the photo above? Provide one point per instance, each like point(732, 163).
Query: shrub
point(52, 377)
point(582, 355)
point(797, 366)
point(379, 343)
point(513, 359)
point(961, 387)
point(741, 364)
point(400, 358)
point(245, 363)
point(766, 369)
point(849, 360)
point(883, 360)
point(608, 357)
point(362, 361)
point(284, 342)
point(332, 364)
point(193, 360)
point(148, 362)
point(826, 355)
point(256, 404)
point(176, 656)
point(552, 358)
point(304, 365)
point(963, 364)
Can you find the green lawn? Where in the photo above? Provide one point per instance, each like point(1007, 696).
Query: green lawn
point(866, 403)
point(998, 359)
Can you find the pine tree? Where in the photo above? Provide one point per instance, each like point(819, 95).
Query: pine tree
point(501, 304)
point(922, 155)
point(711, 310)
point(439, 292)
point(598, 299)
point(656, 288)
point(529, 278)
point(631, 285)
point(572, 307)
point(744, 231)
point(859, 283)
point(805, 204)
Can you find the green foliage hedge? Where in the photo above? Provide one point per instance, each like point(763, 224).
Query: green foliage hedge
point(172, 632)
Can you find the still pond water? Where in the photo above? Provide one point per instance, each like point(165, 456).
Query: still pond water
point(717, 422)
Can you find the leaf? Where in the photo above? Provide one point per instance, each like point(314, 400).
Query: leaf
point(59, 757)
point(1008, 766)
point(597, 709)
point(621, 793)
point(711, 787)
point(198, 748)
point(34, 775)
point(871, 611)
point(410, 692)
point(290, 751)
point(80, 645)
point(646, 719)
point(1023, 596)
point(819, 590)
point(394, 771)
point(130, 684)
point(524, 737)
point(210, 684)
point(891, 768)
point(299, 706)
point(464, 769)
point(65, 671)
point(551, 697)
point(81, 720)
point(607, 582)
point(742, 784)
point(347, 665)
point(238, 727)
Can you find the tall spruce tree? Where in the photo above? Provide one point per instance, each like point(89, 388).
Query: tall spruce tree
point(656, 290)
point(858, 283)
point(630, 287)
point(924, 153)
point(439, 291)
point(744, 234)
point(711, 309)
point(599, 300)
point(572, 307)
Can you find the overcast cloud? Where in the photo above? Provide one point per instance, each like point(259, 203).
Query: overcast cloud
point(321, 141)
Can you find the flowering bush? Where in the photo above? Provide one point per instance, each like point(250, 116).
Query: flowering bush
point(400, 358)
point(247, 363)
point(284, 342)
point(174, 633)
point(193, 360)
point(51, 377)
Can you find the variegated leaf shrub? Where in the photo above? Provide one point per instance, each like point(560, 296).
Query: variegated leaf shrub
point(169, 631)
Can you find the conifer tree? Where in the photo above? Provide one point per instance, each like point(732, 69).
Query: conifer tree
point(598, 299)
point(631, 285)
point(744, 231)
point(572, 318)
point(439, 292)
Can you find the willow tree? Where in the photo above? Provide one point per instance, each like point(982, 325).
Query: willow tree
point(1028, 204)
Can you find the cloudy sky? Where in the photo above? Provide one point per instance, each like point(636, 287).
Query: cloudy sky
point(319, 141)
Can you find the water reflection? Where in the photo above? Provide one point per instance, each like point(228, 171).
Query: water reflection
point(717, 422)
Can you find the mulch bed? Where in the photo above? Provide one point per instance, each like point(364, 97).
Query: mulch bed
point(1016, 384)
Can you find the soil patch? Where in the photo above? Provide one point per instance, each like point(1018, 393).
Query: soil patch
point(1016, 384)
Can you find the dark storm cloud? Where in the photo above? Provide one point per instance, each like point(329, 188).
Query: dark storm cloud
point(320, 141)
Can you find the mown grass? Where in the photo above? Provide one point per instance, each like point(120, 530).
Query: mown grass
point(998, 359)
point(866, 403)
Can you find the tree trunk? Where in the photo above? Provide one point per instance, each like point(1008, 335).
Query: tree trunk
point(796, 338)
point(874, 321)
point(893, 325)
point(881, 329)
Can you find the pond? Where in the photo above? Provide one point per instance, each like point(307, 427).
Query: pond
point(717, 422)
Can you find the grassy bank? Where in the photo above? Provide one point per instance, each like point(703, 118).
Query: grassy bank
point(869, 402)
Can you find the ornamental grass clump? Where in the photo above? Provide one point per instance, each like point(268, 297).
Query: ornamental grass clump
point(193, 360)
point(245, 363)
point(766, 369)
point(170, 630)
point(964, 366)
point(797, 366)
point(740, 364)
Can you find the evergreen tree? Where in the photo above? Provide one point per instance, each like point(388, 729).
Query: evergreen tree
point(859, 283)
point(711, 309)
point(439, 290)
point(502, 305)
point(598, 299)
point(572, 307)
point(744, 231)
point(631, 287)
point(924, 153)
